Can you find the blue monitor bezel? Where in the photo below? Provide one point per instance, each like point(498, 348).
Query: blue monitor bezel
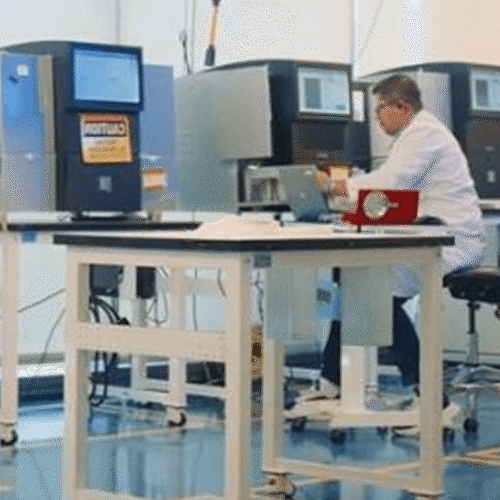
point(95, 105)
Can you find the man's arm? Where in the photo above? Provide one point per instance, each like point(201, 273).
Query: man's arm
point(332, 187)
point(408, 162)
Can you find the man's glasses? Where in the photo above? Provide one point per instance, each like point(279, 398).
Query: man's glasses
point(384, 105)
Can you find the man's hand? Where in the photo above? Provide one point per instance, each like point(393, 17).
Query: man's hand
point(333, 188)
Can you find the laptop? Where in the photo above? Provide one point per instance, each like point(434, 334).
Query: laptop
point(303, 196)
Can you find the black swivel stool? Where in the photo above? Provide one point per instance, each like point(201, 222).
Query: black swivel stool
point(475, 285)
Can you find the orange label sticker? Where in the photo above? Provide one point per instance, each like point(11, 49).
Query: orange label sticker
point(105, 138)
point(154, 179)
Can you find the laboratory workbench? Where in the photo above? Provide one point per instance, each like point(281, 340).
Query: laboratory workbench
point(235, 249)
point(14, 234)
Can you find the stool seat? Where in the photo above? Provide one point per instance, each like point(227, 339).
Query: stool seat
point(477, 284)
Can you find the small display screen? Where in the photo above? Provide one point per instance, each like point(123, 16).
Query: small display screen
point(324, 91)
point(485, 90)
point(106, 76)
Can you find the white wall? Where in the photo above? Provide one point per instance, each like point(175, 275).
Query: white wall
point(380, 35)
point(260, 29)
point(247, 29)
point(155, 25)
point(25, 20)
point(425, 31)
point(460, 30)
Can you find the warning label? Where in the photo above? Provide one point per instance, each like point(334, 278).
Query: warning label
point(105, 138)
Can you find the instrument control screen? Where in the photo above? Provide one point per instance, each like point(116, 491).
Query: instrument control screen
point(485, 90)
point(323, 91)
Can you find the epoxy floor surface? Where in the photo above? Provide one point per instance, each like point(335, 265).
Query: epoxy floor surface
point(136, 454)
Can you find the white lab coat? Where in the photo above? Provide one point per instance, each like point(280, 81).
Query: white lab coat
point(426, 156)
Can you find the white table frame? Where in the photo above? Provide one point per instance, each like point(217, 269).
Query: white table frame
point(429, 479)
point(11, 241)
point(233, 348)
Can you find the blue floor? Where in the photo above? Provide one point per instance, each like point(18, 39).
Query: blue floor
point(135, 454)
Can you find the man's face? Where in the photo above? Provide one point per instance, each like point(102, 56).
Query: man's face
point(392, 114)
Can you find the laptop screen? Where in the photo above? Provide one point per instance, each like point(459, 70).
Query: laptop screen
point(304, 198)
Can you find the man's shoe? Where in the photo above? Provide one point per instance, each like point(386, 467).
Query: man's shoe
point(323, 389)
point(451, 419)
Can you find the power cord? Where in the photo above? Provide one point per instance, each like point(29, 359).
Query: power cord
point(96, 304)
point(41, 301)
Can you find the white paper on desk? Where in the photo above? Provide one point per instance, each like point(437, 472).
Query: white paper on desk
point(237, 227)
point(234, 226)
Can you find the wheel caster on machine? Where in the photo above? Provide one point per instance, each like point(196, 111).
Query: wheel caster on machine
point(280, 484)
point(448, 435)
point(470, 425)
point(298, 424)
point(382, 431)
point(179, 420)
point(12, 441)
point(337, 436)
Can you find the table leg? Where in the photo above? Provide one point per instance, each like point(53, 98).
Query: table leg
point(431, 384)
point(76, 381)
point(9, 337)
point(238, 380)
point(272, 403)
point(76, 416)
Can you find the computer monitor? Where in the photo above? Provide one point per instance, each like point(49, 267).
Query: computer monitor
point(323, 92)
point(485, 90)
point(106, 77)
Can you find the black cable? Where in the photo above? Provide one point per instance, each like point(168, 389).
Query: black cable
point(183, 38)
point(96, 370)
point(95, 312)
point(41, 301)
point(375, 20)
point(219, 282)
point(156, 302)
point(94, 304)
point(49, 337)
point(107, 308)
point(108, 313)
point(104, 395)
point(108, 367)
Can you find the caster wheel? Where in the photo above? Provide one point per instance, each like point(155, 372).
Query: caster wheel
point(470, 425)
point(298, 425)
point(337, 436)
point(382, 431)
point(448, 435)
point(279, 485)
point(11, 441)
point(180, 423)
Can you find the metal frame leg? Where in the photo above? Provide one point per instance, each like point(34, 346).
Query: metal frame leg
point(9, 337)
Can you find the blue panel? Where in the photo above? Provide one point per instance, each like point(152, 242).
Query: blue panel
point(157, 122)
point(23, 121)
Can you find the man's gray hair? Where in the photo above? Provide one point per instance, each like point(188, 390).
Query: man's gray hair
point(400, 87)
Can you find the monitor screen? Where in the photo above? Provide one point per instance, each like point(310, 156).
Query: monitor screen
point(324, 91)
point(485, 90)
point(106, 76)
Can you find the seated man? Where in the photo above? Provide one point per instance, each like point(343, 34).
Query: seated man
point(424, 156)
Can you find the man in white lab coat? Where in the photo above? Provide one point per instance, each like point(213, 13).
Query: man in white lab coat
point(424, 156)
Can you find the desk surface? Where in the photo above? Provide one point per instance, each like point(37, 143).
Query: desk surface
point(262, 238)
point(100, 225)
